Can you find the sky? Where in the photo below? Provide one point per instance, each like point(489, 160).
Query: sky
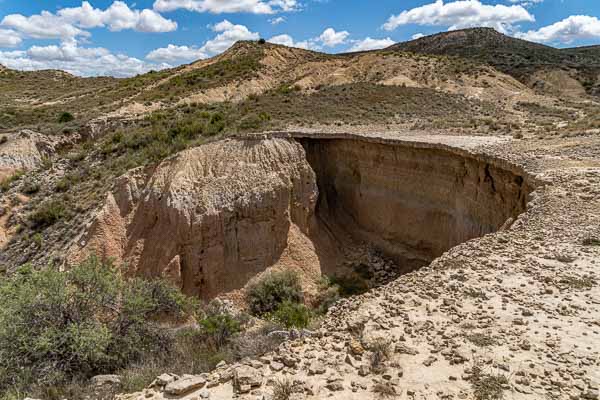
point(129, 37)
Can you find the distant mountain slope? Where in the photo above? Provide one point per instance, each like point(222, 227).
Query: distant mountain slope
point(516, 57)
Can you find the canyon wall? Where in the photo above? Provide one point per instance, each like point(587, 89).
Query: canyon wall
point(411, 202)
point(213, 217)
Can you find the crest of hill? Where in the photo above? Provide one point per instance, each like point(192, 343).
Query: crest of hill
point(516, 57)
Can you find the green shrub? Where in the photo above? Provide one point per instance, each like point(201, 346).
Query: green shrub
point(65, 117)
point(56, 326)
point(292, 315)
point(6, 182)
point(218, 326)
point(273, 289)
point(327, 296)
point(48, 213)
point(351, 284)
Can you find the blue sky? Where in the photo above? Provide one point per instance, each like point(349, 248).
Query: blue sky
point(122, 38)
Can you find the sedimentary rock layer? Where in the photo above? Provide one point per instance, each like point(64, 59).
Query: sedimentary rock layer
point(412, 202)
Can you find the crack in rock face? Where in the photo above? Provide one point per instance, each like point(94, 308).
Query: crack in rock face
point(212, 218)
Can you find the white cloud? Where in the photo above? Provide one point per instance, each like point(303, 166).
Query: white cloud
point(371, 44)
point(173, 54)
point(228, 34)
point(227, 6)
point(9, 38)
point(117, 17)
point(417, 36)
point(462, 14)
point(287, 40)
point(277, 21)
point(43, 26)
point(71, 22)
point(526, 3)
point(575, 27)
point(331, 38)
point(76, 60)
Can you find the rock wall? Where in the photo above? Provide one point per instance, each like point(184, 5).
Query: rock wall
point(412, 202)
point(212, 217)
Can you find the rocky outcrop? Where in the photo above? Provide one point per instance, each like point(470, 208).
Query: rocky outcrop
point(210, 218)
point(24, 150)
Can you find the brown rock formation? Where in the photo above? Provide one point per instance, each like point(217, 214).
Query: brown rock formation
point(213, 217)
point(411, 201)
point(210, 218)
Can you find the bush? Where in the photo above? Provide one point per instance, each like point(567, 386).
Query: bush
point(292, 315)
point(351, 284)
point(218, 326)
point(65, 117)
point(61, 326)
point(6, 182)
point(328, 295)
point(266, 295)
point(48, 213)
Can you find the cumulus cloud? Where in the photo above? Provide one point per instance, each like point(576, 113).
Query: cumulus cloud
point(287, 40)
point(575, 27)
point(9, 38)
point(76, 60)
point(227, 6)
point(173, 54)
point(228, 34)
point(371, 44)
point(331, 38)
point(462, 14)
point(71, 22)
point(43, 26)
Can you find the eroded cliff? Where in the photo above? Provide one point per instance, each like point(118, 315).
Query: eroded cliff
point(210, 218)
point(413, 202)
point(213, 217)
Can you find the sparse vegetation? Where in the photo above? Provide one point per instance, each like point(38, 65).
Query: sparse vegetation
point(6, 183)
point(283, 389)
point(65, 117)
point(487, 386)
point(481, 339)
point(381, 350)
point(59, 326)
point(48, 213)
point(270, 292)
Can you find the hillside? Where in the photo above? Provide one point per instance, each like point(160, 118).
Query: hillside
point(516, 57)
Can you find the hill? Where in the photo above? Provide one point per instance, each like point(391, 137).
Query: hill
point(516, 57)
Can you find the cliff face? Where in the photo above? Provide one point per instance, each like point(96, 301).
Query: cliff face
point(210, 218)
point(414, 203)
point(213, 217)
